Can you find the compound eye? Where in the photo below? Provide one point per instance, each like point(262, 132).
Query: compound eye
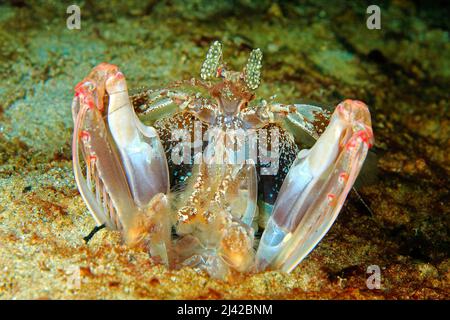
point(212, 61)
point(252, 71)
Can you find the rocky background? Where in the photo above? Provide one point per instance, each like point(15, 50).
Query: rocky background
point(316, 51)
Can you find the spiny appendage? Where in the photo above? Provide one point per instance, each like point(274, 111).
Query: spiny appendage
point(209, 216)
point(105, 187)
point(252, 71)
point(96, 184)
point(90, 136)
point(212, 61)
point(315, 189)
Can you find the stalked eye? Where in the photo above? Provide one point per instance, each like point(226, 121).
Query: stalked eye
point(212, 61)
point(252, 73)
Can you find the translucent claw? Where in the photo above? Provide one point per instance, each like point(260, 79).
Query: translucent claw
point(126, 170)
point(315, 188)
point(106, 170)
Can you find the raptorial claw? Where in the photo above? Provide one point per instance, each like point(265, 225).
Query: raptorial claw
point(127, 173)
point(315, 188)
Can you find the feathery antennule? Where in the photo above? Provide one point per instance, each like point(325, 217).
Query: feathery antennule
point(212, 61)
point(252, 71)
